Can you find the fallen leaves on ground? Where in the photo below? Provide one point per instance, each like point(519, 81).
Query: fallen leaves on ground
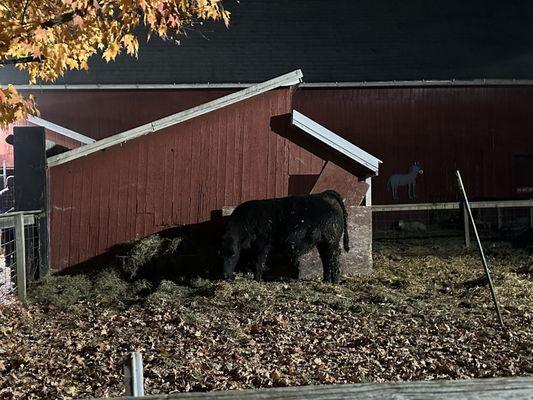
point(412, 319)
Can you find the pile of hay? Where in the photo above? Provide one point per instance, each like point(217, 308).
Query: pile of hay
point(153, 256)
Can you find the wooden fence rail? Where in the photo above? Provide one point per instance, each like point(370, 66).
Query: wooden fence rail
point(499, 205)
point(515, 388)
point(454, 205)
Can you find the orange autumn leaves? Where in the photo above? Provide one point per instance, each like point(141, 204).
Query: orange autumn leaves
point(46, 38)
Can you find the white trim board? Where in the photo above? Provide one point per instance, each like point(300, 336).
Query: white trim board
point(292, 78)
point(238, 85)
point(334, 141)
point(59, 129)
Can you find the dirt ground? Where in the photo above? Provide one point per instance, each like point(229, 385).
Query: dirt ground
point(412, 319)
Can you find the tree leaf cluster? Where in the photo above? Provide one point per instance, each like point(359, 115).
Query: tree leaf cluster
point(47, 38)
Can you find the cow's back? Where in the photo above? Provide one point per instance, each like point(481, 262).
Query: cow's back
point(309, 211)
point(282, 216)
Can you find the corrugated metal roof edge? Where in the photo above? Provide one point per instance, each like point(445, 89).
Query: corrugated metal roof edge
point(292, 78)
point(363, 84)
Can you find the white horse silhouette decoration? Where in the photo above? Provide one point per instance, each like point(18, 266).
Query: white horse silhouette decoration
point(408, 179)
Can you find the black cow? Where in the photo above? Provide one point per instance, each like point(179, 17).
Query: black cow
point(291, 226)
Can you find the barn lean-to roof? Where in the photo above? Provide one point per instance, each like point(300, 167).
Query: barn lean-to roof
point(335, 142)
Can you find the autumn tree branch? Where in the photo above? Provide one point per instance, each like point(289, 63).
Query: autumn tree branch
point(56, 21)
point(24, 9)
point(21, 60)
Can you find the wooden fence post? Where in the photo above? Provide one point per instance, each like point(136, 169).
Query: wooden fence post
point(466, 227)
point(20, 255)
point(133, 374)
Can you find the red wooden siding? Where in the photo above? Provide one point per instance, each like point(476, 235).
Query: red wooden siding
point(478, 130)
point(62, 140)
point(303, 162)
point(102, 113)
point(173, 177)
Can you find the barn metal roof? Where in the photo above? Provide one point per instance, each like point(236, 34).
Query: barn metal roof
point(311, 85)
point(344, 41)
point(335, 142)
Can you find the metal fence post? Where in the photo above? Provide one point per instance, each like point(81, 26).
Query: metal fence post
point(480, 247)
point(531, 217)
point(500, 218)
point(20, 254)
point(133, 374)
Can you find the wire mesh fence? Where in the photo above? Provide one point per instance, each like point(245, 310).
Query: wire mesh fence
point(501, 219)
point(7, 266)
point(20, 253)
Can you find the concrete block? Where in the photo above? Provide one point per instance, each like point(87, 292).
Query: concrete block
point(358, 260)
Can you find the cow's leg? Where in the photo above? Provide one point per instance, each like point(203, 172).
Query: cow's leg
point(294, 264)
point(410, 190)
point(414, 190)
point(260, 262)
point(329, 254)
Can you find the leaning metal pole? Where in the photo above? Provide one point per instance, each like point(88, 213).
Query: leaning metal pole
point(133, 374)
point(480, 248)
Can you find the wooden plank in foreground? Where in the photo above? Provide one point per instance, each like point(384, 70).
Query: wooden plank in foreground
point(515, 388)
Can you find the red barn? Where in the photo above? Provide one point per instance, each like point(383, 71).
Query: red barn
point(178, 169)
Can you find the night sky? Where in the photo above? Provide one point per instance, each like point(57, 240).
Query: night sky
point(345, 40)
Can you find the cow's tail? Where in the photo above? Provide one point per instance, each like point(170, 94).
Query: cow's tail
point(346, 239)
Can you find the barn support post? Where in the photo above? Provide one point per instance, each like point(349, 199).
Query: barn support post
point(368, 197)
point(466, 227)
point(29, 152)
point(44, 231)
point(20, 254)
point(133, 374)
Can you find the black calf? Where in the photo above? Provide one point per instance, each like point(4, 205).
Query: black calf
point(291, 226)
